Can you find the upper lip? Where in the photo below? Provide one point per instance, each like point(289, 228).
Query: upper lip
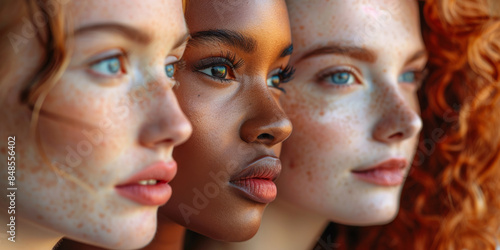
point(159, 171)
point(264, 167)
point(392, 163)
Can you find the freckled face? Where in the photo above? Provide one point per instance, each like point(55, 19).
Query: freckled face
point(229, 90)
point(353, 105)
point(111, 115)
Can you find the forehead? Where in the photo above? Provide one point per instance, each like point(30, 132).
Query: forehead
point(151, 16)
point(360, 23)
point(253, 15)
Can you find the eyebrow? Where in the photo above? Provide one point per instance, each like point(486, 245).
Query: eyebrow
point(182, 40)
point(417, 56)
point(287, 51)
point(359, 53)
point(228, 37)
point(129, 32)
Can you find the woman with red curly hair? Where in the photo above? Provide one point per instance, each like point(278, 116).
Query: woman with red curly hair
point(451, 197)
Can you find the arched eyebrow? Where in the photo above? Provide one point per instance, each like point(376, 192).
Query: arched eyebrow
point(124, 30)
point(355, 52)
point(129, 32)
point(227, 37)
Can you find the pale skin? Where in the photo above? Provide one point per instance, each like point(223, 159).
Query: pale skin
point(99, 125)
point(340, 126)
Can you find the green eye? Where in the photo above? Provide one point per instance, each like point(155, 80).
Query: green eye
point(109, 67)
point(218, 71)
point(274, 81)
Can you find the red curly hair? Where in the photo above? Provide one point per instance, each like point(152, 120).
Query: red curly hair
point(451, 198)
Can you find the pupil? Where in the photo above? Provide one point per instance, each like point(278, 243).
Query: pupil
point(275, 80)
point(219, 71)
point(341, 77)
point(114, 66)
point(170, 70)
point(409, 77)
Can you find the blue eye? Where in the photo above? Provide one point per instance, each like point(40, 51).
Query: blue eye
point(218, 71)
point(109, 67)
point(342, 78)
point(170, 70)
point(408, 77)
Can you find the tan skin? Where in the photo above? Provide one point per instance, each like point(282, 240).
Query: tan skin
point(353, 103)
point(108, 69)
point(234, 122)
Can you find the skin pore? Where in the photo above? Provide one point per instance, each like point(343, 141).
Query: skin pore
point(111, 114)
point(234, 63)
point(353, 105)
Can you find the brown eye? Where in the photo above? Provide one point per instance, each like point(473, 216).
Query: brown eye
point(218, 71)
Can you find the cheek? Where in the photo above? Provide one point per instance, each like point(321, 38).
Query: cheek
point(324, 131)
point(83, 128)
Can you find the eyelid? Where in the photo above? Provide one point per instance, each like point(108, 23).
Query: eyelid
point(106, 55)
point(211, 62)
point(320, 76)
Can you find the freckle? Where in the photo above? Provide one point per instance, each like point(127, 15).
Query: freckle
point(301, 27)
point(39, 217)
point(198, 95)
point(322, 113)
point(309, 175)
point(385, 71)
point(79, 225)
point(101, 215)
point(108, 230)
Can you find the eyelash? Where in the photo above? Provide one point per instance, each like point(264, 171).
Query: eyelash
point(323, 75)
point(285, 75)
point(121, 58)
point(223, 59)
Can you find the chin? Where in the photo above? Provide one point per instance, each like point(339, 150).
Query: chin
point(381, 216)
point(241, 227)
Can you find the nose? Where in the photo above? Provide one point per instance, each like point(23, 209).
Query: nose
point(166, 125)
point(398, 120)
point(267, 123)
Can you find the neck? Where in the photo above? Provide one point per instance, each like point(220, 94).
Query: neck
point(27, 235)
point(169, 236)
point(281, 223)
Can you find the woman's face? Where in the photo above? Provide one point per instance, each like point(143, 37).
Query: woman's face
point(109, 125)
point(235, 60)
point(354, 107)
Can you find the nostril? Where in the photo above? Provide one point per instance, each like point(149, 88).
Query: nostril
point(265, 136)
point(396, 135)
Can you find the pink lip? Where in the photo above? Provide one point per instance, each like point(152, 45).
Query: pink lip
point(256, 181)
point(386, 173)
point(150, 195)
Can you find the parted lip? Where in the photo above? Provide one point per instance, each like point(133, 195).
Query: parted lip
point(390, 164)
point(161, 171)
point(267, 167)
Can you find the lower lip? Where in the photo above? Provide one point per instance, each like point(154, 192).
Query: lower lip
point(382, 177)
point(149, 195)
point(259, 190)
